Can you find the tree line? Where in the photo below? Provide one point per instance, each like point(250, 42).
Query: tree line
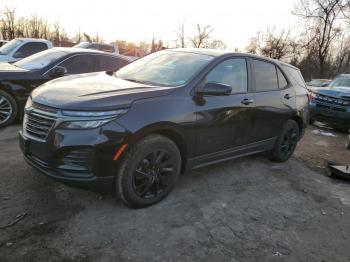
point(321, 48)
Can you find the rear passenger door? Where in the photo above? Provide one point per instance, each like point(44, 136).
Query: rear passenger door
point(110, 63)
point(274, 99)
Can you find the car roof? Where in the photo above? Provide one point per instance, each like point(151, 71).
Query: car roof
point(33, 39)
point(217, 53)
point(77, 50)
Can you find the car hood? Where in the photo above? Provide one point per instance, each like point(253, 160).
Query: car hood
point(343, 92)
point(6, 67)
point(94, 91)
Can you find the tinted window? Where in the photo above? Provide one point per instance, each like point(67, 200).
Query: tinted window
point(80, 64)
point(29, 49)
point(282, 82)
point(109, 63)
point(232, 72)
point(265, 76)
point(107, 48)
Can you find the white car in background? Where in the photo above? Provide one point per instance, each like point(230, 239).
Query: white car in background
point(19, 48)
point(109, 48)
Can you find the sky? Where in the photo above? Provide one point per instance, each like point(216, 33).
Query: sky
point(234, 22)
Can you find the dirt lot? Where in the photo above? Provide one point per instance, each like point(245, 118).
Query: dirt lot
point(248, 209)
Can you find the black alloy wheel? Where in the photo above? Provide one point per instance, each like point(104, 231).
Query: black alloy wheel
point(152, 175)
point(148, 171)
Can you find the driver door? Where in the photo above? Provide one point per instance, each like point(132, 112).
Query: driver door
point(224, 122)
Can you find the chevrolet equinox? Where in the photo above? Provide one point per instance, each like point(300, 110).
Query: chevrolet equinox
point(137, 129)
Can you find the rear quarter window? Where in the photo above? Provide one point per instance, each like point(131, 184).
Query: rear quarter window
point(295, 75)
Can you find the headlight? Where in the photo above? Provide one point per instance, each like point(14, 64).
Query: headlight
point(94, 113)
point(81, 119)
point(29, 102)
point(84, 124)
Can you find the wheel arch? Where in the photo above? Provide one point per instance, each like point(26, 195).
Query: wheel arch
point(170, 131)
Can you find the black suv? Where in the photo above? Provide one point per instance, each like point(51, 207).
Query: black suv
point(171, 111)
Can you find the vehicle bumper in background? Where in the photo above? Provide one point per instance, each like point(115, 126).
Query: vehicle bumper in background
point(330, 115)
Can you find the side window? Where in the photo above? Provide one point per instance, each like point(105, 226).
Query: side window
point(232, 72)
point(282, 82)
point(265, 76)
point(109, 63)
point(107, 48)
point(295, 75)
point(80, 64)
point(29, 49)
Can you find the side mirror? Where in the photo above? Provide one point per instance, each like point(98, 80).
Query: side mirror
point(215, 89)
point(58, 71)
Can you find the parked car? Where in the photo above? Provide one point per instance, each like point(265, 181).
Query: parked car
point(109, 48)
point(19, 79)
point(168, 112)
point(2, 42)
point(332, 104)
point(318, 83)
point(20, 48)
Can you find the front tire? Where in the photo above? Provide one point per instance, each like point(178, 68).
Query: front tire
point(285, 143)
point(148, 172)
point(8, 109)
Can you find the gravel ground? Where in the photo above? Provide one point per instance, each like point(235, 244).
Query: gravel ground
point(247, 209)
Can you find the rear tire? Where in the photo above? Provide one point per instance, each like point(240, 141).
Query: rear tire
point(285, 143)
point(8, 109)
point(148, 172)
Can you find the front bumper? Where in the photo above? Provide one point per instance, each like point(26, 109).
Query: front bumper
point(330, 114)
point(82, 158)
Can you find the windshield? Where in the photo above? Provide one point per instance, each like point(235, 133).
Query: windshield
point(165, 68)
point(41, 59)
point(340, 82)
point(10, 46)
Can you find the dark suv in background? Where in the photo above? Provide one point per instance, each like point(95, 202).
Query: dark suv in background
point(19, 79)
point(168, 112)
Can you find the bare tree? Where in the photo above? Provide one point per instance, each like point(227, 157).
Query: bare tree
point(321, 17)
point(202, 36)
point(156, 45)
point(180, 34)
point(8, 23)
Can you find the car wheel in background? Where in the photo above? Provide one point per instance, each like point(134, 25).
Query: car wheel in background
point(8, 109)
point(148, 172)
point(285, 143)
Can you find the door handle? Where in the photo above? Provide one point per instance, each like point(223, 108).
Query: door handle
point(247, 101)
point(287, 96)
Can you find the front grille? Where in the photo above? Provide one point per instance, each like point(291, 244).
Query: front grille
point(44, 108)
point(343, 101)
point(38, 125)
